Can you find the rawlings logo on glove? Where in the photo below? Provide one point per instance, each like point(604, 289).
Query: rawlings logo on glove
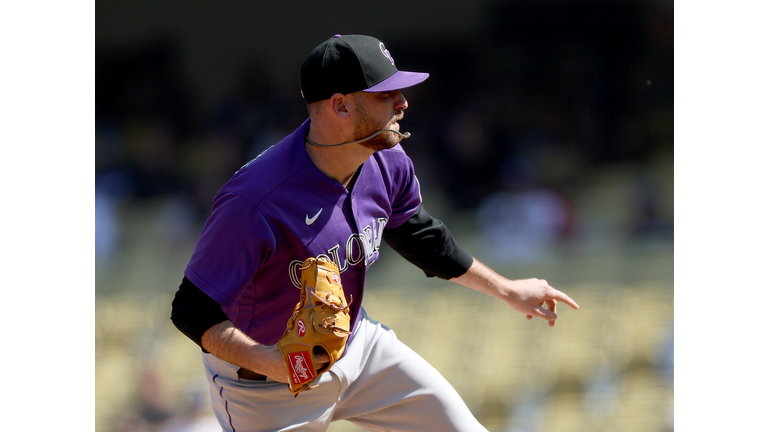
point(321, 320)
point(300, 373)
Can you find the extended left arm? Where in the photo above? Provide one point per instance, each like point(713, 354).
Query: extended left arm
point(427, 243)
point(526, 296)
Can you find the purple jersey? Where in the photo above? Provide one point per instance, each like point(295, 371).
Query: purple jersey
point(280, 209)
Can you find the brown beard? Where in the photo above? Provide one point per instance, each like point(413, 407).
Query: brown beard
point(366, 126)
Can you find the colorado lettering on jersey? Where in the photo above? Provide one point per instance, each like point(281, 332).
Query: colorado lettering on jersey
point(360, 247)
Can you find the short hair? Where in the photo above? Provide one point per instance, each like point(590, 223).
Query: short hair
point(313, 108)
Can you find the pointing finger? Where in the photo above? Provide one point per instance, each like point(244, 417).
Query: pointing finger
point(563, 297)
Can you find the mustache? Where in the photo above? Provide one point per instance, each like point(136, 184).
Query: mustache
point(399, 116)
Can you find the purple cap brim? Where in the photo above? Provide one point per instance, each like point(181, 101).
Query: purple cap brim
point(398, 80)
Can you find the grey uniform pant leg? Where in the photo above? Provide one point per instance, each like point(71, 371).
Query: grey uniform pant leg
point(380, 384)
point(395, 389)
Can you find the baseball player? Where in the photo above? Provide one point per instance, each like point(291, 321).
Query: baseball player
point(332, 190)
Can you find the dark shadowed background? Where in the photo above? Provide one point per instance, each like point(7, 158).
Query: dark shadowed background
point(544, 138)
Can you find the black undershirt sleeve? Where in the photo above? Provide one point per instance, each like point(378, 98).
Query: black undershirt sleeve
point(193, 311)
point(426, 242)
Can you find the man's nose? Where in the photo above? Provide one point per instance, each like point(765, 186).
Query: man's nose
point(400, 102)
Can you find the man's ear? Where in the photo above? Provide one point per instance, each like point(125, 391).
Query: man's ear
point(340, 105)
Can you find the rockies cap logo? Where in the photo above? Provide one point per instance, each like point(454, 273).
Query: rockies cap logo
point(386, 53)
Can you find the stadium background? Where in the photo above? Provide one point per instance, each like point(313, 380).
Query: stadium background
point(543, 138)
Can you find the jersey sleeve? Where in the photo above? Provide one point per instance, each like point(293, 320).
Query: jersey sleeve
point(406, 191)
point(428, 244)
point(235, 241)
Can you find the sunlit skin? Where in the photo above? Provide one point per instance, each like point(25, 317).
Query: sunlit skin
point(343, 118)
point(377, 111)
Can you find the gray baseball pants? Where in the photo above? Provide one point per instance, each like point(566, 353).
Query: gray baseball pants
point(379, 384)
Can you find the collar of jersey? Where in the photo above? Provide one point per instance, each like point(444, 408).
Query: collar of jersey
point(322, 185)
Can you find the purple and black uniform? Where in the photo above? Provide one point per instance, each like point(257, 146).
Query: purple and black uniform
point(280, 209)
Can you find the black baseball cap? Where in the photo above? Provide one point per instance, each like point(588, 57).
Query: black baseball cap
point(352, 63)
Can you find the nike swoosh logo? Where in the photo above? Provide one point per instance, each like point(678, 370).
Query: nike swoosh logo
point(310, 221)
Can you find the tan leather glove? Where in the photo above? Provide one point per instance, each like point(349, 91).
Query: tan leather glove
point(320, 322)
